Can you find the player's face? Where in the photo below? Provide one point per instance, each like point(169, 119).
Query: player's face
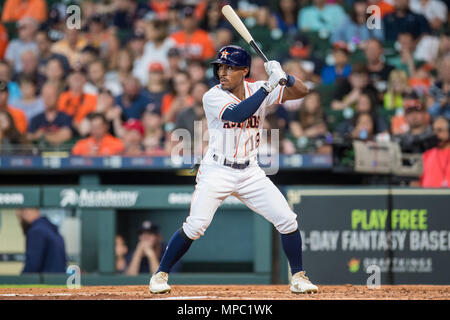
point(230, 76)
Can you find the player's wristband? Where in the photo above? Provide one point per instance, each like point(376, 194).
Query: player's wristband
point(266, 87)
point(290, 81)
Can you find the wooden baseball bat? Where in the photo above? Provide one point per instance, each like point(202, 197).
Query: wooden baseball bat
point(239, 26)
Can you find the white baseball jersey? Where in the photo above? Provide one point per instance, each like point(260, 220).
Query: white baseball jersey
point(236, 141)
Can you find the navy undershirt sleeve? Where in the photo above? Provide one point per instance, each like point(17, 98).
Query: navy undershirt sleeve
point(245, 109)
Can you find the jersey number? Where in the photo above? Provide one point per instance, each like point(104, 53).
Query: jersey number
point(253, 142)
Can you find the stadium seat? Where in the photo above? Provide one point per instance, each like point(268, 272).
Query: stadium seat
point(320, 45)
point(334, 118)
point(386, 114)
point(272, 48)
point(326, 92)
point(358, 56)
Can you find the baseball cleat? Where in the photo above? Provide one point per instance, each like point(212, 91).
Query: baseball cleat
point(301, 284)
point(158, 283)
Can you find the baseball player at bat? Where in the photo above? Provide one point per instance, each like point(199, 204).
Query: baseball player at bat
point(235, 111)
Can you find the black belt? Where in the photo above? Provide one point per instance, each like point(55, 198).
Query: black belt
point(233, 165)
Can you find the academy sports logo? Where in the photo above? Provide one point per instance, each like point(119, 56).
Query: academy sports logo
point(224, 54)
point(98, 198)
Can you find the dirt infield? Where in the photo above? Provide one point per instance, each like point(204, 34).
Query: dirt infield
point(229, 292)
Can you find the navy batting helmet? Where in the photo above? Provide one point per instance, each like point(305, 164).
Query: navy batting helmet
point(232, 56)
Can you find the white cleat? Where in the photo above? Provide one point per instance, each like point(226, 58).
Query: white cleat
point(158, 283)
point(301, 284)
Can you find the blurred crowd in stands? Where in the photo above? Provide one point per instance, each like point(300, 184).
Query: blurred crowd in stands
point(137, 70)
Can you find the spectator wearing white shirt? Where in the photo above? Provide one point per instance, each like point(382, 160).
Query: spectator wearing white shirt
point(97, 80)
point(155, 51)
point(435, 11)
point(27, 28)
point(30, 103)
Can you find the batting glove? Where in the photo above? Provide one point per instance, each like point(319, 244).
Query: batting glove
point(274, 79)
point(271, 66)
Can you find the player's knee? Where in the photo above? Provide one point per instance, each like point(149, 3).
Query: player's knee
point(195, 228)
point(287, 224)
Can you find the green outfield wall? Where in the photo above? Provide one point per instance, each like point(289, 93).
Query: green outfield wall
point(403, 231)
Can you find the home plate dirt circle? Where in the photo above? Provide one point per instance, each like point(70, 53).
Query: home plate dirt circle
point(229, 292)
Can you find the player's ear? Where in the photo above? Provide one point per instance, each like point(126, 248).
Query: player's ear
point(246, 72)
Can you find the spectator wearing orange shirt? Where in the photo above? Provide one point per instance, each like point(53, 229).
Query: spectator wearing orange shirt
point(14, 10)
point(160, 7)
point(100, 142)
point(74, 101)
point(193, 42)
point(436, 161)
point(9, 135)
point(18, 116)
point(385, 7)
point(3, 41)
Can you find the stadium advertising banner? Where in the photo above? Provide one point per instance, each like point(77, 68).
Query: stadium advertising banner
point(348, 233)
point(13, 197)
point(123, 197)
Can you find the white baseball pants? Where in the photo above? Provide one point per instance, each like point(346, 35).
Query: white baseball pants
point(215, 182)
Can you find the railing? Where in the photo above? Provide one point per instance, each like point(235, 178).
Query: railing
point(59, 161)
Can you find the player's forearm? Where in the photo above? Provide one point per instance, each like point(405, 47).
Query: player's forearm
point(245, 109)
point(295, 89)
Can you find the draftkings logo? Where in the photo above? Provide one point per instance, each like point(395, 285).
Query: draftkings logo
point(353, 265)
